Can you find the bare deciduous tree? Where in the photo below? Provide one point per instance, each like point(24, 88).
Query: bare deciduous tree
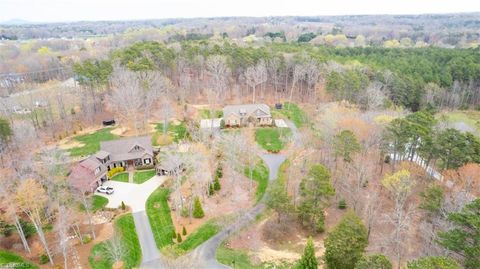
point(256, 75)
point(31, 198)
point(218, 70)
point(127, 97)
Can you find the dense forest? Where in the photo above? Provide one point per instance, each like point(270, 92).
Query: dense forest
point(413, 78)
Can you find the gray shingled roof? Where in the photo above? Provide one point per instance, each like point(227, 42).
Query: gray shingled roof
point(121, 150)
point(247, 109)
point(102, 154)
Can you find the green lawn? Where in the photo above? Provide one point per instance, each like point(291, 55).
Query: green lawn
point(91, 142)
point(176, 132)
point(126, 227)
point(202, 234)
point(10, 260)
point(98, 202)
point(260, 175)
point(141, 176)
point(122, 177)
point(158, 213)
point(235, 258)
point(271, 138)
point(293, 113)
point(207, 114)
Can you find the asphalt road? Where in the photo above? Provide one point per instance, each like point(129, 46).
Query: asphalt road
point(145, 237)
point(204, 255)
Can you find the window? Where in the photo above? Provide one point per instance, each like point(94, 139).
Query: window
point(147, 161)
point(97, 170)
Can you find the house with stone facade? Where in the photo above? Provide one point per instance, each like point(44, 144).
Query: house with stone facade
point(247, 114)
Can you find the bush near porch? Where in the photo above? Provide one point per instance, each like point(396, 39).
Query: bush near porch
point(115, 171)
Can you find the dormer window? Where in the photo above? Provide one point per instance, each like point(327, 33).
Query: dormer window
point(97, 170)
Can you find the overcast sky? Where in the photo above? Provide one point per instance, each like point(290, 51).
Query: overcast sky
point(74, 10)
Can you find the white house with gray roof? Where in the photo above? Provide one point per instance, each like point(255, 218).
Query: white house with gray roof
point(242, 115)
point(129, 152)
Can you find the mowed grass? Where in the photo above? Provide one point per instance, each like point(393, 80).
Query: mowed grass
point(122, 177)
point(10, 260)
point(141, 176)
point(235, 258)
point(208, 114)
point(175, 133)
point(125, 227)
point(91, 142)
point(272, 139)
point(293, 113)
point(98, 202)
point(260, 175)
point(202, 234)
point(159, 216)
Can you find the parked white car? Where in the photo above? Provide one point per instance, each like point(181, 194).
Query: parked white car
point(105, 189)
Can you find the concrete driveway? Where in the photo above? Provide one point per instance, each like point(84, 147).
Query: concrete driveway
point(133, 195)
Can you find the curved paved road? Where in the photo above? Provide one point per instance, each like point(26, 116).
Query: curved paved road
point(204, 255)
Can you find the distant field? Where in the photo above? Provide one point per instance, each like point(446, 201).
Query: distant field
point(462, 120)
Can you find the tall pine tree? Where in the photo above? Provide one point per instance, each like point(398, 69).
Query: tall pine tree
point(308, 260)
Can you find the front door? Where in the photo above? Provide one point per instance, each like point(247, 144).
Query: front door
point(130, 163)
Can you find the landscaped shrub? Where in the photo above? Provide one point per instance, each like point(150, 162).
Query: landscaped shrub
point(123, 206)
point(197, 209)
point(216, 184)
point(87, 239)
point(145, 167)
point(6, 229)
point(219, 172)
point(179, 238)
point(174, 234)
point(222, 124)
point(43, 259)
point(184, 212)
point(28, 228)
point(342, 204)
point(211, 189)
point(115, 171)
point(184, 231)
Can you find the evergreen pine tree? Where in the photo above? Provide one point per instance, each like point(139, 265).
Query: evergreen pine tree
point(184, 231)
point(179, 238)
point(308, 260)
point(216, 184)
point(197, 209)
point(211, 189)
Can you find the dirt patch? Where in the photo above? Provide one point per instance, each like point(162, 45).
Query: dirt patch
point(66, 145)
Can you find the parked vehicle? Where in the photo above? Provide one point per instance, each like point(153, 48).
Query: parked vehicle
point(108, 122)
point(105, 189)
